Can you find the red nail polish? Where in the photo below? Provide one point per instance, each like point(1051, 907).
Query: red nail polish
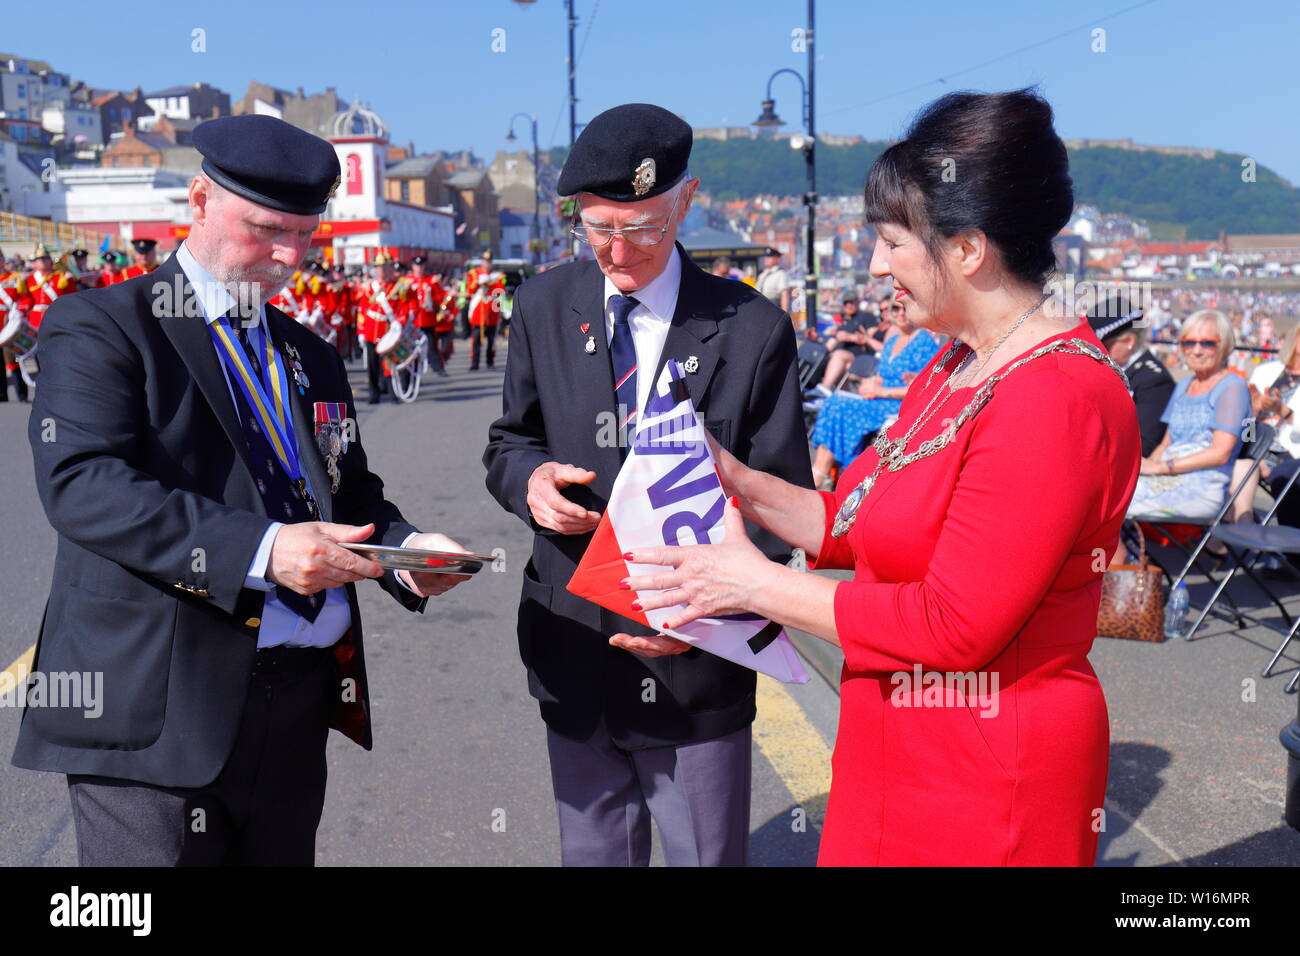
point(636, 606)
point(624, 586)
point(735, 502)
point(627, 556)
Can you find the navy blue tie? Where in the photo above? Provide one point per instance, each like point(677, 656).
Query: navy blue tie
point(282, 502)
point(622, 357)
point(241, 334)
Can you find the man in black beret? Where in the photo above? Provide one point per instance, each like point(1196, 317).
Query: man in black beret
point(204, 473)
point(588, 340)
point(1122, 331)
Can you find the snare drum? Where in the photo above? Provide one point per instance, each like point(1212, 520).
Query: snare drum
point(19, 335)
point(399, 343)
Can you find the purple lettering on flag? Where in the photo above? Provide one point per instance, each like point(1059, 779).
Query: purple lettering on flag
point(698, 524)
point(666, 491)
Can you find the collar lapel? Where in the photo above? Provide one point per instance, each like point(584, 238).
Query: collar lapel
point(304, 419)
point(180, 316)
point(593, 388)
point(695, 322)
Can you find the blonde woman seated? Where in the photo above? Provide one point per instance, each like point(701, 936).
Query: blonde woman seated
point(1189, 471)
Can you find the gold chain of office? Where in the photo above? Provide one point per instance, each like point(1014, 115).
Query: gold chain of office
point(891, 452)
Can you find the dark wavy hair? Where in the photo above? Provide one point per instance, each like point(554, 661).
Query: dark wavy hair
point(986, 161)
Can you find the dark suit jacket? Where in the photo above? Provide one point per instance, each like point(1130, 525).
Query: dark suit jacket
point(141, 467)
point(1151, 386)
point(746, 393)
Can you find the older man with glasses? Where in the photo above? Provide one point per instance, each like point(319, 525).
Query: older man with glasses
point(639, 725)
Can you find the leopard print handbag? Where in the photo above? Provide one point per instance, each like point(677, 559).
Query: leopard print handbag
point(1132, 600)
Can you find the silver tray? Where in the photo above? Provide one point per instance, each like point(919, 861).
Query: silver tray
point(418, 559)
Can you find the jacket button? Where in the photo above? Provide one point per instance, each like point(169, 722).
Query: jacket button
point(253, 622)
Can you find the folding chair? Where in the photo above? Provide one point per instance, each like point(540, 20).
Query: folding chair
point(863, 366)
point(1246, 543)
point(1259, 446)
point(811, 364)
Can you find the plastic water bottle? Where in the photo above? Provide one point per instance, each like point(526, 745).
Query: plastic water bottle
point(1176, 610)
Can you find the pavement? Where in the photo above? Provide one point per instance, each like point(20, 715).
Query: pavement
point(459, 773)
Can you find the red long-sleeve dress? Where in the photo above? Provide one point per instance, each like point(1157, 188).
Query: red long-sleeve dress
point(985, 557)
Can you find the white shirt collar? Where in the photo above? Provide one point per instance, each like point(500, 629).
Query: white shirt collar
point(212, 294)
point(659, 295)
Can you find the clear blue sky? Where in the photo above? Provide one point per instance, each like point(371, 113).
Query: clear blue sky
point(1180, 72)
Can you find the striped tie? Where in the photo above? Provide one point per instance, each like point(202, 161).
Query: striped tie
point(622, 356)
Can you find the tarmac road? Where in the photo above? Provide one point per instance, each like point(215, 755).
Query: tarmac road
point(459, 773)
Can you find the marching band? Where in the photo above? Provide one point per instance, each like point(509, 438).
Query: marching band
point(401, 318)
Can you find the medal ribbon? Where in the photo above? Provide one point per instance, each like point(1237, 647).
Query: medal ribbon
point(273, 418)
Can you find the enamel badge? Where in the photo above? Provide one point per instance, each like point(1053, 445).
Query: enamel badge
point(295, 367)
point(590, 347)
point(692, 365)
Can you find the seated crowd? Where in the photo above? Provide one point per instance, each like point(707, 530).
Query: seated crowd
point(1195, 431)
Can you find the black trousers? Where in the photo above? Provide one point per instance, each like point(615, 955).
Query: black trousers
point(20, 386)
point(374, 371)
point(261, 810)
point(446, 340)
point(435, 355)
point(488, 336)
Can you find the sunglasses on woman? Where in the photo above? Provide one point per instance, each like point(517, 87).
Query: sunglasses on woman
point(1190, 344)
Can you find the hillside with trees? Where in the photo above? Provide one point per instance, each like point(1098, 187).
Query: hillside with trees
point(1173, 193)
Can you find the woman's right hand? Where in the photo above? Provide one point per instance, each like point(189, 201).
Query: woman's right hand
point(730, 470)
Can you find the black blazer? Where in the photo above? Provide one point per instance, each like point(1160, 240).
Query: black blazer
point(746, 393)
point(1151, 386)
point(141, 467)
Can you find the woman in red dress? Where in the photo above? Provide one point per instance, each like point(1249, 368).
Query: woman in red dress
point(973, 730)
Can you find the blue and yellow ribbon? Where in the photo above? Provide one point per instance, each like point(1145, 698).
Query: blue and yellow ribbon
point(273, 417)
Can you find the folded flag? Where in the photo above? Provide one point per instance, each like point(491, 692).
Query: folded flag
point(668, 493)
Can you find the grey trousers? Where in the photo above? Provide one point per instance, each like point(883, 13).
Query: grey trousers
point(261, 810)
point(698, 794)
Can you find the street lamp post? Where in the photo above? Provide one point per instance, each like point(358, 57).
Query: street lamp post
point(537, 178)
point(808, 146)
point(572, 21)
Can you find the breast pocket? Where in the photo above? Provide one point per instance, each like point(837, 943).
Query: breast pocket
point(720, 428)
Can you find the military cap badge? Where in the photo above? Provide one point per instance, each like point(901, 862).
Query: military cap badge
point(644, 179)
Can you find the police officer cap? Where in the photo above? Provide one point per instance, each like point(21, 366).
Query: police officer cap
point(269, 162)
point(628, 153)
point(1112, 316)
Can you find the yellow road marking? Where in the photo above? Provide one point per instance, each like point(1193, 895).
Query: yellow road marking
point(794, 748)
point(17, 672)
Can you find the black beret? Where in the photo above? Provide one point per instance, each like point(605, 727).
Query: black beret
point(269, 162)
point(1112, 317)
point(628, 153)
